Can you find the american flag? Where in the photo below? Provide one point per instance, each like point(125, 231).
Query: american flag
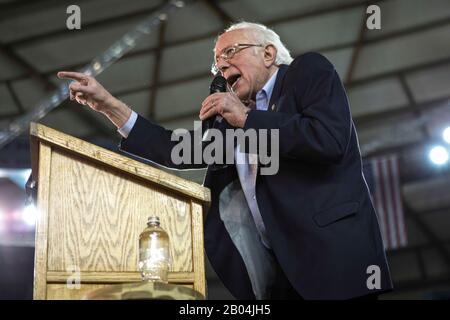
point(382, 176)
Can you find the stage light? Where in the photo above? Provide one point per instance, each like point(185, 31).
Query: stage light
point(29, 215)
point(446, 134)
point(439, 155)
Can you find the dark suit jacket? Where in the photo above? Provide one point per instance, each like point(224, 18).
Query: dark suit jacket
point(317, 210)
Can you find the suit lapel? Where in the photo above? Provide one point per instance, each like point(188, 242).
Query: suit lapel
point(277, 88)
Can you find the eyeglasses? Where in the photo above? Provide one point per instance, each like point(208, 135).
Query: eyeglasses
point(229, 52)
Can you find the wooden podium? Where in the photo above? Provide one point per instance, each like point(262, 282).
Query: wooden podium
point(93, 204)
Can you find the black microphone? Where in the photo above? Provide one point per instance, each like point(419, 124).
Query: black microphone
point(219, 84)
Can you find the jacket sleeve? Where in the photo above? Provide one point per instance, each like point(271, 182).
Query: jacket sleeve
point(320, 129)
point(154, 143)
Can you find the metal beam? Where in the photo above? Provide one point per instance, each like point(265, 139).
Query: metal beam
point(394, 73)
point(415, 248)
point(20, 7)
point(200, 75)
point(214, 7)
point(391, 35)
point(157, 70)
point(428, 233)
point(412, 108)
point(304, 15)
point(393, 149)
point(366, 41)
point(169, 44)
point(357, 49)
point(83, 114)
point(434, 242)
point(161, 84)
point(421, 264)
point(410, 285)
point(86, 27)
point(434, 108)
point(417, 111)
point(367, 120)
point(48, 85)
point(322, 11)
point(360, 121)
point(107, 22)
point(362, 81)
point(10, 116)
point(29, 69)
point(15, 97)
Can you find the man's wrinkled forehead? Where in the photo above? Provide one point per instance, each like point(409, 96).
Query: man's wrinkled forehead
point(231, 37)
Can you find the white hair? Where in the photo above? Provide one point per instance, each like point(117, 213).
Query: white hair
point(265, 36)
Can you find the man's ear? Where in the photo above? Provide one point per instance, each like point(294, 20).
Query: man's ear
point(270, 54)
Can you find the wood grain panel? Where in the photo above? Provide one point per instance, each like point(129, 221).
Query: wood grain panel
point(57, 291)
point(198, 250)
point(115, 277)
point(93, 205)
point(40, 259)
point(97, 214)
point(61, 292)
point(85, 149)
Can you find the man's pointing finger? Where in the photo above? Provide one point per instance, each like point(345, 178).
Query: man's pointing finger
point(72, 76)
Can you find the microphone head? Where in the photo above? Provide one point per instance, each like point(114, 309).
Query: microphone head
point(219, 84)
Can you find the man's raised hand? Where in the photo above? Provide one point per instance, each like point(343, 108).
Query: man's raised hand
point(86, 90)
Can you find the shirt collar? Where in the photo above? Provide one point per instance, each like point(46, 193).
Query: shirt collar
point(268, 88)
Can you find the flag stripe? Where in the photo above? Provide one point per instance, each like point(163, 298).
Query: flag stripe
point(394, 202)
point(388, 203)
point(386, 194)
point(383, 203)
point(399, 209)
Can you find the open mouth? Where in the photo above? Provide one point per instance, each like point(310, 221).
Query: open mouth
point(233, 79)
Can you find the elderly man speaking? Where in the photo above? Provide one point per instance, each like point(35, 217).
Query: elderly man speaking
point(307, 232)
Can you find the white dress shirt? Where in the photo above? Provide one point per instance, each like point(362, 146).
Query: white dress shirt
point(247, 165)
